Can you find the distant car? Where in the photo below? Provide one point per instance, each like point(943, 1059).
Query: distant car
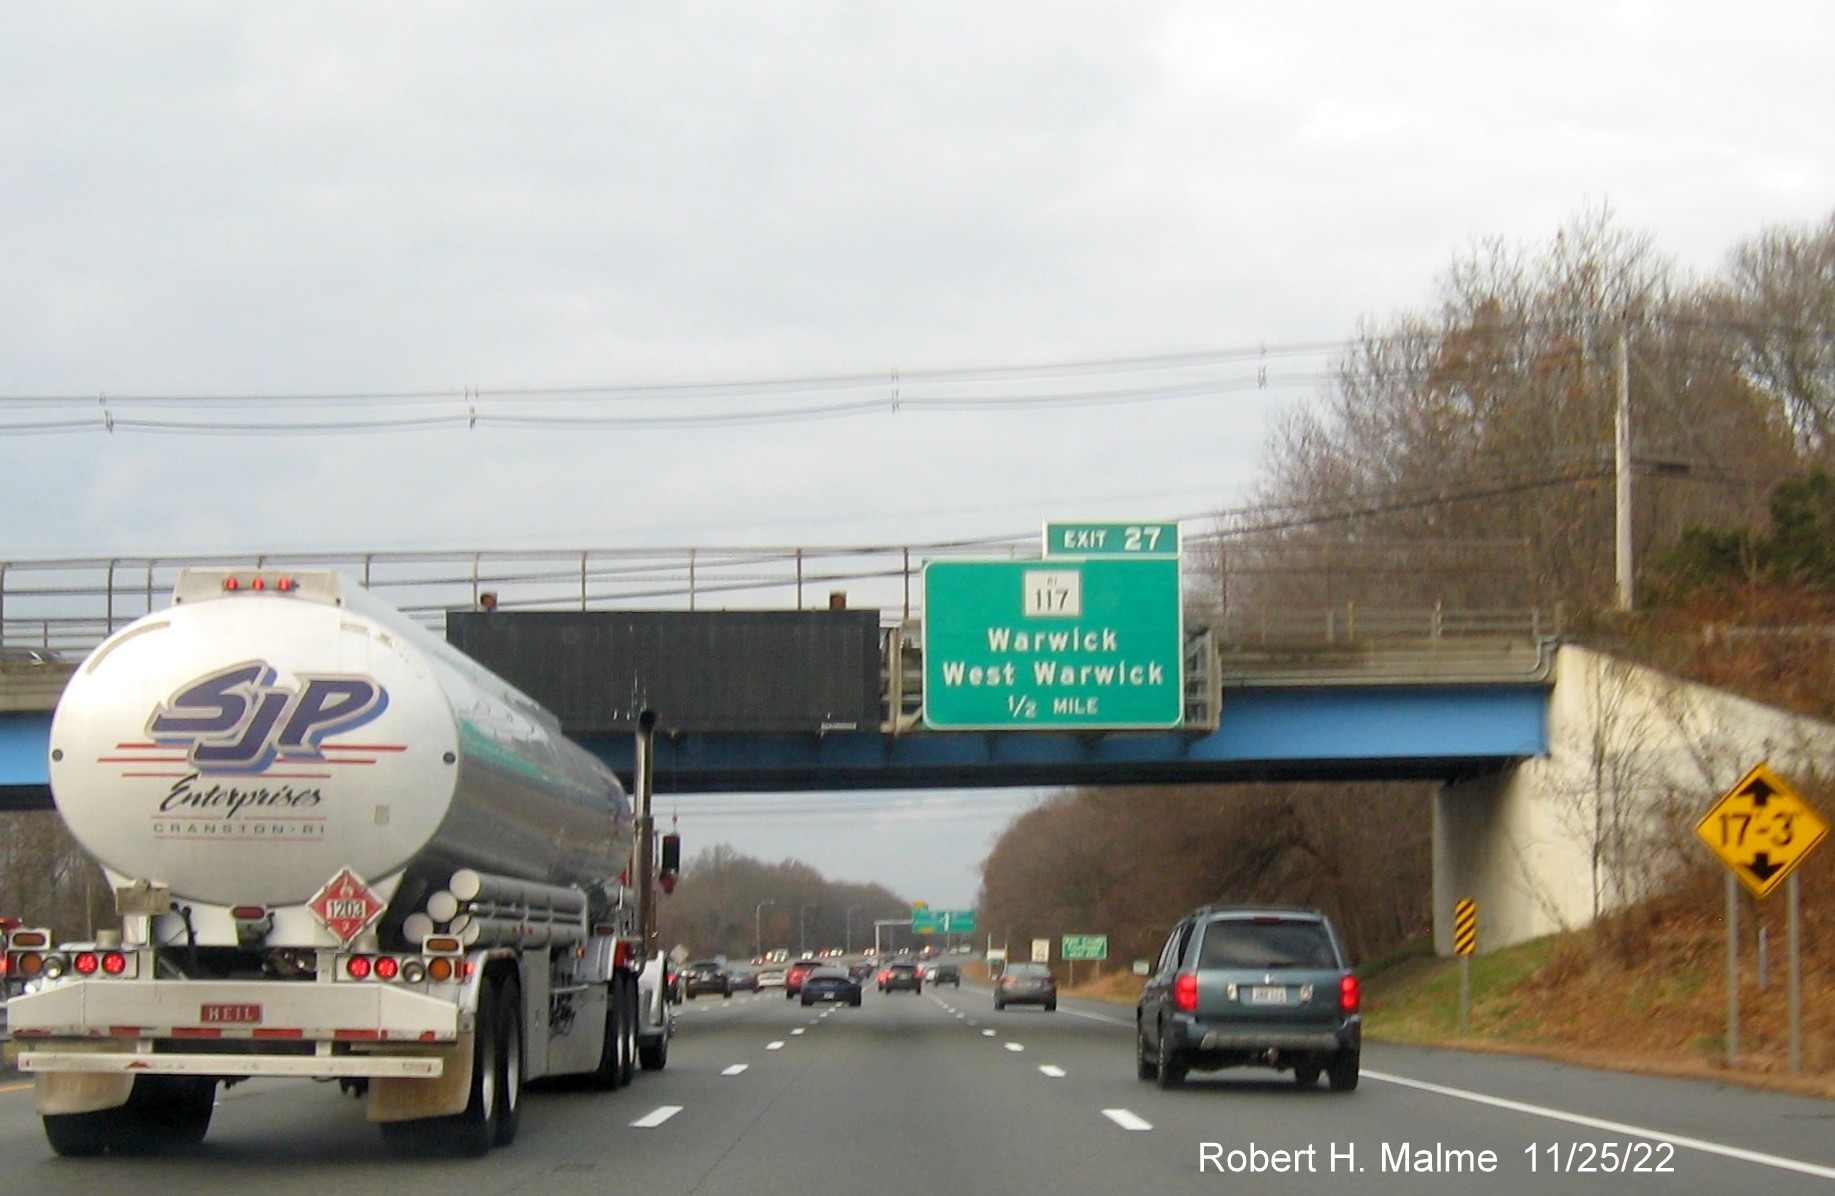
point(793, 977)
point(1026, 984)
point(946, 973)
point(860, 971)
point(1241, 986)
point(706, 976)
point(901, 976)
point(745, 980)
point(770, 978)
point(829, 984)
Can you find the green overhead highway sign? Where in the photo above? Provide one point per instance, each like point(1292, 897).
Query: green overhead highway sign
point(1132, 540)
point(1053, 644)
point(942, 921)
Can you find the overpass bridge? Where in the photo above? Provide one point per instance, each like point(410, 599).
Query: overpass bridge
point(1533, 744)
point(1463, 700)
point(1336, 693)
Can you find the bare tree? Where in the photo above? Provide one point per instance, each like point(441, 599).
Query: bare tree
point(1490, 423)
point(1780, 297)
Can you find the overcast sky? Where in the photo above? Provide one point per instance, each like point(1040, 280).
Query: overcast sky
point(468, 203)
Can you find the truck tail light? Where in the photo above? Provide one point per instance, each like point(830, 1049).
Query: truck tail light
point(1185, 993)
point(1350, 994)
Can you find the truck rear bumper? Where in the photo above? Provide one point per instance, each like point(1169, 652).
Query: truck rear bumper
point(241, 1012)
point(135, 1063)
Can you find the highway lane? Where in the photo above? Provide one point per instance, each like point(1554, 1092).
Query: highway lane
point(938, 1091)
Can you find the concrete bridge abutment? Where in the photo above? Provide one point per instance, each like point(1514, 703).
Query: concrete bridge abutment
point(1607, 816)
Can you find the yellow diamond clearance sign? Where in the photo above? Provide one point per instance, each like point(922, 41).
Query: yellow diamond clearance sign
point(1761, 829)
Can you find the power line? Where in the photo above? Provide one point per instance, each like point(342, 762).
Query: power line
point(621, 406)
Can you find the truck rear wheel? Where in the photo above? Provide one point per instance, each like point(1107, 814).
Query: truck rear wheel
point(81, 1135)
point(471, 1132)
point(161, 1111)
point(613, 1071)
point(509, 1062)
point(633, 1015)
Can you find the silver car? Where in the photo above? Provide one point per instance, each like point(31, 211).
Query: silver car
point(1026, 984)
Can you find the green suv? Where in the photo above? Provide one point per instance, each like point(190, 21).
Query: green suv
point(1251, 986)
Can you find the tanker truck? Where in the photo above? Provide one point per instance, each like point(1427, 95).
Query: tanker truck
point(341, 850)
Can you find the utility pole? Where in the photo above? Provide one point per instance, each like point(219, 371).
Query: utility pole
point(1622, 460)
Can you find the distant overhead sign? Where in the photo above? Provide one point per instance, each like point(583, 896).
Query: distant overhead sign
point(1761, 830)
point(942, 921)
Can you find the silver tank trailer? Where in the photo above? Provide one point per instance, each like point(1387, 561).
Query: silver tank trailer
point(245, 746)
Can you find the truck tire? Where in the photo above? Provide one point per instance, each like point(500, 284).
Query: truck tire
point(611, 1073)
point(651, 1050)
point(81, 1135)
point(633, 1023)
point(174, 1110)
point(161, 1111)
point(510, 1061)
point(471, 1131)
point(468, 1133)
point(654, 1053)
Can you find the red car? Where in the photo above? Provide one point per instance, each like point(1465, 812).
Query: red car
point(793, 978)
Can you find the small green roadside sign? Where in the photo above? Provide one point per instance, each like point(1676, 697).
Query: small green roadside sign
point(1053, 644)
point(1084, 946)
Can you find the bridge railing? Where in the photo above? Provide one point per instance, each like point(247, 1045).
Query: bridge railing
point(72, 605)
point(69, 606)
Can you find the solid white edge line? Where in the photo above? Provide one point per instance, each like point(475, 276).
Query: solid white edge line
point(1126, 1120)
point(1616, 1127)
point(656, 1117)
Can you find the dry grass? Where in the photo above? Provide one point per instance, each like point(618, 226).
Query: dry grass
point(1642, 992)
